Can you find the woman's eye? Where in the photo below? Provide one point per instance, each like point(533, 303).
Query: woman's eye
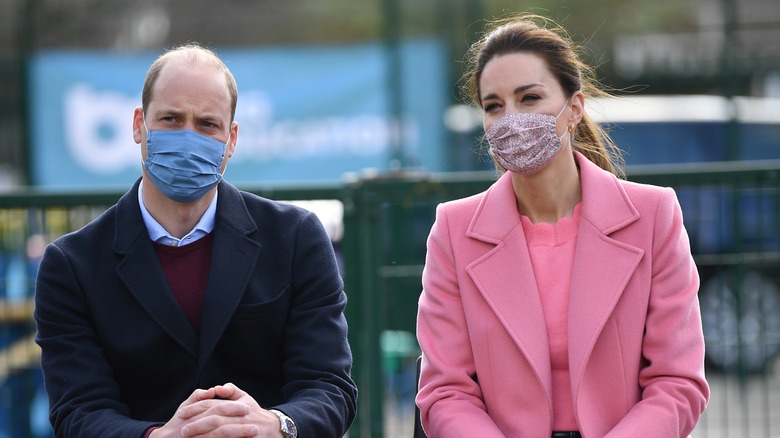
point(491, 106)
point(530, 97)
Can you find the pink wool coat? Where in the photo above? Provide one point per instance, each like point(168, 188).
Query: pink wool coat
point(636, 349)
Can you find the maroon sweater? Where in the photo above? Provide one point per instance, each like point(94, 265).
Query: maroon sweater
point(187, 270)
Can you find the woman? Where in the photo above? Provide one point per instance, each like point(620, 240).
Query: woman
point(563, 300)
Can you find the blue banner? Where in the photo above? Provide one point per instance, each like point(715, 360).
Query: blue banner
point(306, 114)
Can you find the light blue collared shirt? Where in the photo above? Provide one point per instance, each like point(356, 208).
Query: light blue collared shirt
point(158, 234)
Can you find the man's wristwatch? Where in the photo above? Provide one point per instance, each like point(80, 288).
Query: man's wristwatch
point(287, 426)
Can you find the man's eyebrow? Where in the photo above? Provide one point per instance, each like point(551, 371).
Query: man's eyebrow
point(165, 112)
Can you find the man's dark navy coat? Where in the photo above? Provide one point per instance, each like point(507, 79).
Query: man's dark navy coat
point(119, 355)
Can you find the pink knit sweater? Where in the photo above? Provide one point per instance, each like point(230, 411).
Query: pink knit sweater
point(551, 247)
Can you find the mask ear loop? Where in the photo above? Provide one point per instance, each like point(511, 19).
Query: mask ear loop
point(225, 152)
point(143, 162)
point(556, 120)
point(143, 113)
point(562, 109)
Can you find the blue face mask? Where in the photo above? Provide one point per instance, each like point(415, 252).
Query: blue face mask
point(183, 165)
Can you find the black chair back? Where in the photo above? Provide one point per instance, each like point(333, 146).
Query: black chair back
point(418, 429)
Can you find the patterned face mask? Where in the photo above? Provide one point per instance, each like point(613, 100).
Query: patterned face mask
point(524, 143)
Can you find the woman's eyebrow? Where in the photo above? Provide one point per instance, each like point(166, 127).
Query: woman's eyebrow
point(517, 90)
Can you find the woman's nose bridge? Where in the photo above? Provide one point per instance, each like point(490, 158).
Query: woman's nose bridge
point(511, 108)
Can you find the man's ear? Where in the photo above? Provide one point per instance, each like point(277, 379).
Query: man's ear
point(231, 148)
point(138, 125)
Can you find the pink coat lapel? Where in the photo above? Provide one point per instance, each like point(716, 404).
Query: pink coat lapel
point(602, 265)
point(505, 278)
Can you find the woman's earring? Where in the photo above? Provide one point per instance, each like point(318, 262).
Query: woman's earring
point(572, 127)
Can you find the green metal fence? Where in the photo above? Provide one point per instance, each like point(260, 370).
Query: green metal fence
point(732, 213)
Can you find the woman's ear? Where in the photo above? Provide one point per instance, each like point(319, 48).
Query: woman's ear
point(577, 103)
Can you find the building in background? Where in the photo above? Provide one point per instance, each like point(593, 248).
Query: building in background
point(711, 47)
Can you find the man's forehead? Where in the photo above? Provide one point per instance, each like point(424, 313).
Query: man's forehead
point(191, 79)
point(177, 68)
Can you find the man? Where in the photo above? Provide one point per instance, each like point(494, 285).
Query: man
point(190, 308)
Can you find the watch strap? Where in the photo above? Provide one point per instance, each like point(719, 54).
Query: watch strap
point(286, 424)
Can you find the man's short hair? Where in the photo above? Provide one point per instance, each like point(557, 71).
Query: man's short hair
point(195, 53)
